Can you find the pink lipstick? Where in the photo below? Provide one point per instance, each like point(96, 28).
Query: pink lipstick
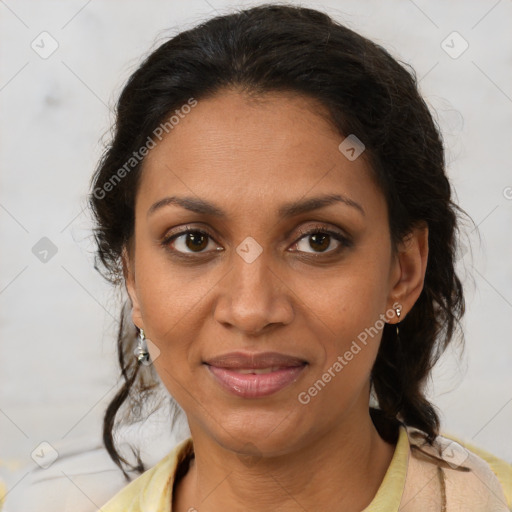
point(255, 375)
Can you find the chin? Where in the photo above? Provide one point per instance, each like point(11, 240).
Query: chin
point(256, 432)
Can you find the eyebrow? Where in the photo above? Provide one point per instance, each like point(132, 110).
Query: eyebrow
point(204, 207)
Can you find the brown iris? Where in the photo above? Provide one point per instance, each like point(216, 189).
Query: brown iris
point(197, 241)
point(319, 239)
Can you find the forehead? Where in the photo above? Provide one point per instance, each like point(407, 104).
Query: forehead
point(261, 151)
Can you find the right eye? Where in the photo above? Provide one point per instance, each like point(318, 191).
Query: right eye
point(188, 241)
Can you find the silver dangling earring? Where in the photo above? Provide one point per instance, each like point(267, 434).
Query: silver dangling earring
point(141, 352)
point(398, 312)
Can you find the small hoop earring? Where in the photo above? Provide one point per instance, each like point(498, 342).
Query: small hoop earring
point(141, 352)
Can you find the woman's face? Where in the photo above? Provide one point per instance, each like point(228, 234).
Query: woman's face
point(254, 282)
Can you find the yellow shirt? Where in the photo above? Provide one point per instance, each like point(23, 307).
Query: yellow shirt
point(412, 483)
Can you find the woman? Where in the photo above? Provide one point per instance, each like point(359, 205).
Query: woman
point(275, 203)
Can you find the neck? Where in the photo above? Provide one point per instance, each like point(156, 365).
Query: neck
point(340, 470)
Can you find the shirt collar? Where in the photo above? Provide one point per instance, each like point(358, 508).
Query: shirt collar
point(157, 494)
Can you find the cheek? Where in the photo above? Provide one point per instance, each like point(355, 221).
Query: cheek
point(346, 354)
point(349, 308)
point(168, 293)
point(166, 304)
point(346, 300)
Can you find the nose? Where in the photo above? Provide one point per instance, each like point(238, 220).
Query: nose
point(253, 296)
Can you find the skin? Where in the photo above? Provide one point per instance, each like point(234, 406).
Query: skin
point(249, 157)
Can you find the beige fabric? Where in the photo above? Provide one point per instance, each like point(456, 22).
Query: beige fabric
point(420, 478)
point(477, 490)
point(499, 467)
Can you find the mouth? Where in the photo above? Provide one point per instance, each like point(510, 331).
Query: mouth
point(255, 360)
point(256, 371)
point(255, 375)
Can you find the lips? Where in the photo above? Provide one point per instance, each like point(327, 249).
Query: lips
point(241, 360)
point(255, 375)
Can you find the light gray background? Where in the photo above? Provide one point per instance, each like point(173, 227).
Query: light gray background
point(57, 365)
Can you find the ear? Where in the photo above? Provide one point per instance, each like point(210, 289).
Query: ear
point(129, 281)
point(409, 269)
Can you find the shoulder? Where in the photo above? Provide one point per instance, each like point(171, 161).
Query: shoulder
point(469, 478)
point(151, 491)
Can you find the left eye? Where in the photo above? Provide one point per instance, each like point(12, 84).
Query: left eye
point(321, 240)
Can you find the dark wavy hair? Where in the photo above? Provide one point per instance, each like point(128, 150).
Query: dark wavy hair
point(366, 92)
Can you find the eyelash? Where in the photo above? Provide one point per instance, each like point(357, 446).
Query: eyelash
point(344, 241)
